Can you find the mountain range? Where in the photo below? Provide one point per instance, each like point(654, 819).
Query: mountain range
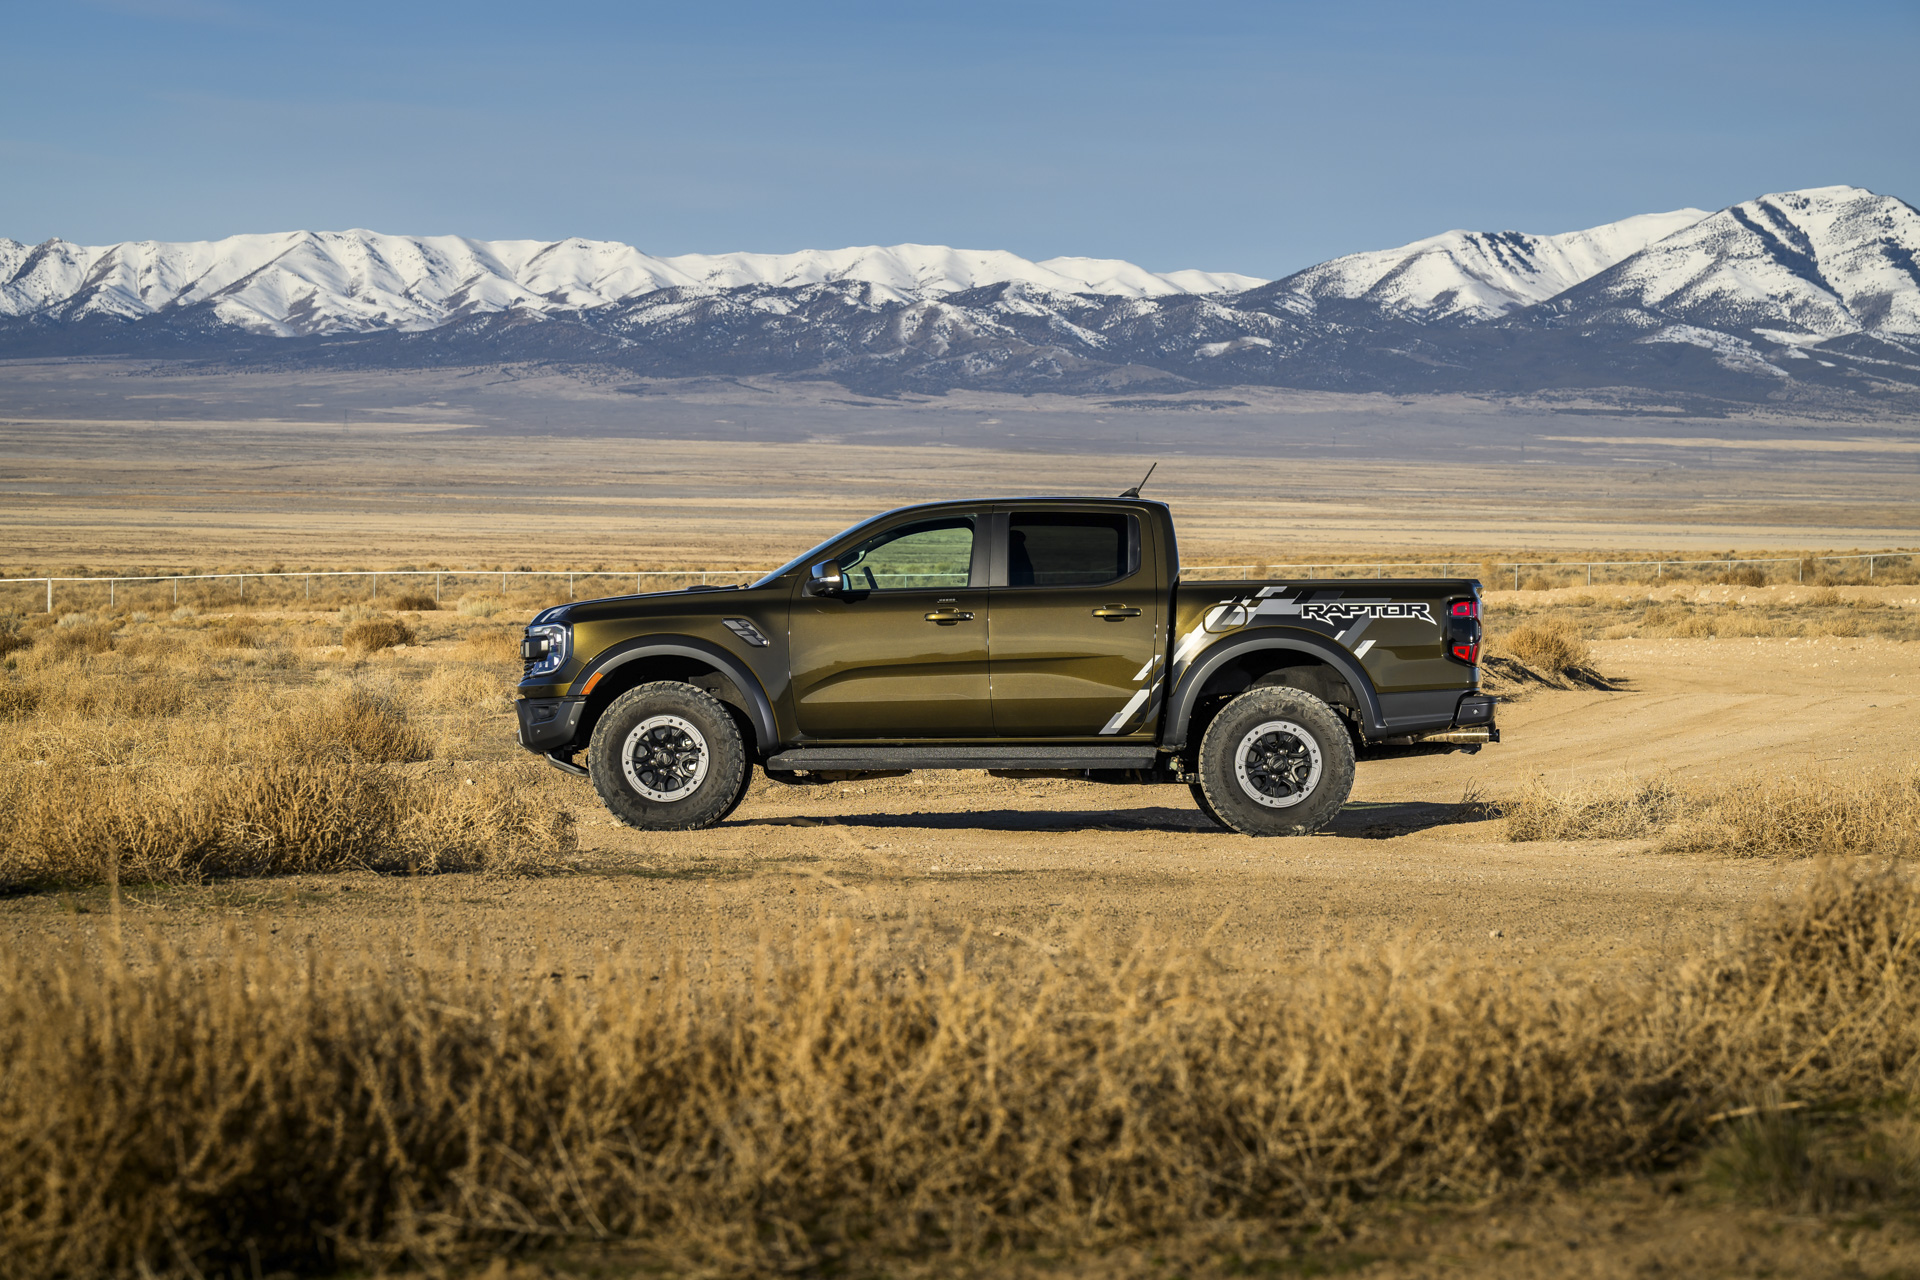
point(1802, 290)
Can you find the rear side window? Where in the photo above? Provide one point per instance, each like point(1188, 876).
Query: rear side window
point(1069, 548)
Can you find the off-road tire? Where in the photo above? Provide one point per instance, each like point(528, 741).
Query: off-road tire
point(695, 766)
point(1275, 762)
point(1204, 805)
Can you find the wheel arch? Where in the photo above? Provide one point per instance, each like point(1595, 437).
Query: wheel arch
point(1257, 656)
point(685, 658)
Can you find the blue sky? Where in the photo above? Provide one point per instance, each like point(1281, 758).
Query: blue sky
point(1226, 136)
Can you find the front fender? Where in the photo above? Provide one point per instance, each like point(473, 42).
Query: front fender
point(1186, 689)
point(759, 707)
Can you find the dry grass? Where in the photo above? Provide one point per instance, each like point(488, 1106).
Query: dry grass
point(1616, 809)
point(1875, 813)
point(176, 754)
point(368, 635)
point(835, 1107)
point(1553, 645)
point(413, 602)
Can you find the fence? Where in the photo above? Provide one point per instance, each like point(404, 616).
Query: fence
point(665, 579)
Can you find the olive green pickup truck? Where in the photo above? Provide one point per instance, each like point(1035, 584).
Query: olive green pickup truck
point(1032, 636)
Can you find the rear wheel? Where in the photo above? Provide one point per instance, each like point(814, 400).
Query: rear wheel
point(668, 757)
point(1275, 762)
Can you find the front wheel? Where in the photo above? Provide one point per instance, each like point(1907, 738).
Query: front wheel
point(668, 757)
point(1275, 762)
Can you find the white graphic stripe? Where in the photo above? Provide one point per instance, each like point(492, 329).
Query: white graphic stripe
point(1125, 713)
point(1361, 652)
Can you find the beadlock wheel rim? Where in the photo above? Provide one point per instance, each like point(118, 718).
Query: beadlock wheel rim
point(1277, 764)
point(665, 758)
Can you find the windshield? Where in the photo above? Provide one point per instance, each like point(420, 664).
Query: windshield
point(813, 555)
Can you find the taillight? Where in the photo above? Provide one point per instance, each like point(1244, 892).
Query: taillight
point(1468, 653)
point(1465, 609)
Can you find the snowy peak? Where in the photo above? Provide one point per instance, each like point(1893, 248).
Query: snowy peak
point(1479, 275)
point(362, 281)
point(1823, 262)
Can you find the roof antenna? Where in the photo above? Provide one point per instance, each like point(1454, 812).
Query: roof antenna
point(1135, 491)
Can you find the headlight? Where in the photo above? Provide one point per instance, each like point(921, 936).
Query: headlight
point(546, 648)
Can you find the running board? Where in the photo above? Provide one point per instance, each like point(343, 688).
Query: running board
point(863, 759)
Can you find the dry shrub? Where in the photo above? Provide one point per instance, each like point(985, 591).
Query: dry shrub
point(483, 606)
point(347, 723)
point(415, 601)
point(1614, 809)
point(239, 633)
point(100, 694)
point(1553, 645)
point(1745, 576)
point(271, 814)
point(12, 641)
point(1876, 813)
point(370, 634)
point(70, 640)
point(293, 1109)
point(1538, 582)
point(18, 701)
point(492, 646)
point(464, 687)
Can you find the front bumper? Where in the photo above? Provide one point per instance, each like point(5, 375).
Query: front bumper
point(548, 724)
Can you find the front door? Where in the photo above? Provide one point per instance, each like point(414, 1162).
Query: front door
point(902, 653)
point(1076, 625)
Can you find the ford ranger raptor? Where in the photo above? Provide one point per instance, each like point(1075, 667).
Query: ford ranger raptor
point(1027, 636)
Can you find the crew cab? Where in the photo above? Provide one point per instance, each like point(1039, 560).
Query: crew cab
point(1040, 636)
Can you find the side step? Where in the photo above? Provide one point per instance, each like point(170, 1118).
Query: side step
point(864, 759)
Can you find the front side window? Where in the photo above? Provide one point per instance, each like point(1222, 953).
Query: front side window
point(927, 555)
point(1069, 548)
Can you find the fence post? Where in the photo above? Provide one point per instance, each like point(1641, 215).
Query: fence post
point(111, 584)
point(243, 588)
point(1589, 573)
point(49, 595)
point(436, 588)
point(569, 586)
point(1516, 577)
point(376, 586)
point(309, 586)
point(1869, 568)
point(176, 591)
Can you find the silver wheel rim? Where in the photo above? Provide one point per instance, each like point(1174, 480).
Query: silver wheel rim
point(1277, 764)
point(665, 758)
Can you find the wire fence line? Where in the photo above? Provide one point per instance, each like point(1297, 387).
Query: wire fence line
point(444, 579)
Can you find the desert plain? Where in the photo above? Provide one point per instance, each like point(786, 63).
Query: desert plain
point(1793, 679)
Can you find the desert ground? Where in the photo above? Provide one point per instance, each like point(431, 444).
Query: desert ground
point(1798, 684)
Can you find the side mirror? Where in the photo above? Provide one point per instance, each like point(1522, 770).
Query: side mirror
point(827, 579)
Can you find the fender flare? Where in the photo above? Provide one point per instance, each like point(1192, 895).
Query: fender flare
point(759, 707)
point(1187, 691)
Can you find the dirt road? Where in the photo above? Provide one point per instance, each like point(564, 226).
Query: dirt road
point(921, 858)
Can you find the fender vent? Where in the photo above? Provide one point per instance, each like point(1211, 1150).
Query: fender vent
point(748, 632)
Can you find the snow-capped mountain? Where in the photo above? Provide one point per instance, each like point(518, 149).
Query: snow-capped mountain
point(1819, 287)
point(1805, 264)
point(304, 283)
point(1480, 275)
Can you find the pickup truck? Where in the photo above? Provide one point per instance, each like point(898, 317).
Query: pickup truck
point(1031, 636)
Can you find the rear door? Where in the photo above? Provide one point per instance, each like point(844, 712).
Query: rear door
point(1077, 622)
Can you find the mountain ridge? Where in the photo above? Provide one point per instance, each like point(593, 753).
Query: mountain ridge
point(1817, 289)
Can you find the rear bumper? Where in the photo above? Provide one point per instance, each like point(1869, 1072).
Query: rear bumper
point(548, 724)
point(1474, 711)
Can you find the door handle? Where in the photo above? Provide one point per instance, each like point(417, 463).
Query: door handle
point(947, 617)
point(1115, 612)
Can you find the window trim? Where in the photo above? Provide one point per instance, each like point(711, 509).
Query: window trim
point(1002, 522)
